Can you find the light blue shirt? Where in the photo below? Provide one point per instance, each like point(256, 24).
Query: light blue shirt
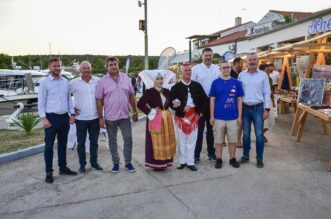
point(256, 88)
point(54, 96)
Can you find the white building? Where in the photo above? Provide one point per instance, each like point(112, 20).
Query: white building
point(290, 33)
point(275, 29)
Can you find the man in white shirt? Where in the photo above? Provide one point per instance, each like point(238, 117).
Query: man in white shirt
point(205, 73)
point(274, 75)
point(87, 119)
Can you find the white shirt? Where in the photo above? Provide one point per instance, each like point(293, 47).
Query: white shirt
point(205, 76)
point(189, 96)
point(275, 77)
point(54, 96)
point(84, 97)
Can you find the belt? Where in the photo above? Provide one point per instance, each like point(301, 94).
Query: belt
point(57, 115)
point(252, 106)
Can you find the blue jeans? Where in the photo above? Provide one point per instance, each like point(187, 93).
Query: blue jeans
point(253, 114)
point(93, 129)
point(60, 128)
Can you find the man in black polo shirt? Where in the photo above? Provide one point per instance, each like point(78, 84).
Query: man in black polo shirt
point(236, 67)
point(235, 70)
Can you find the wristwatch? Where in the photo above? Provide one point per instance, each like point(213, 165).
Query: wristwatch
point(267, 109)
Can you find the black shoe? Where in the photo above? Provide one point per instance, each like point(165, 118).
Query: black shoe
point(259, 164)
point(265, 139)
point(49, 177)
point(244, 160)
point(97, 166)
point(192, 167)
point(182, 166)
point(212, 158)
point(234, 163)
point(82, 169)
point(219, 163)
point(197, 160)
point(67, 171)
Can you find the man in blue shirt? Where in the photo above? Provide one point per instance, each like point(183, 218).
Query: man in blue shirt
point(54, 106)
point(225, 113)
point(256, 107)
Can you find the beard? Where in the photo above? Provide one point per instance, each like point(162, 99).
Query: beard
point(251, 66)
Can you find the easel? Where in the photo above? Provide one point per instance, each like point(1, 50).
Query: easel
point(302, 111)
point(285, 66)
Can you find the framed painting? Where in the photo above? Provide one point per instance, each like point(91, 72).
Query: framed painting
point(311, 91)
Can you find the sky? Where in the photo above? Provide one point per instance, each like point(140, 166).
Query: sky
point(110, 27)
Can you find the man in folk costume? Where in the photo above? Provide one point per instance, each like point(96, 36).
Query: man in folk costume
point(189, 100)
point(160, 146)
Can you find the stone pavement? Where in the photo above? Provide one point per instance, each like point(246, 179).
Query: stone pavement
point(293, 184)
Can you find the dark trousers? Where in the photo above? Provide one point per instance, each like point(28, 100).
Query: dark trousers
point(93, 129)
point(60, 128)
point(204, 121)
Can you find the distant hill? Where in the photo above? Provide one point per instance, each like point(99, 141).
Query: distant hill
point(137, 63)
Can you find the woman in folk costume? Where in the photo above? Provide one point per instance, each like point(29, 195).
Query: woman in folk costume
point(189, 100)
point(160, 147)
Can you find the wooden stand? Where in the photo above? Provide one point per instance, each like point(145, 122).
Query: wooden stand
point(287, 100)
point(300, 120)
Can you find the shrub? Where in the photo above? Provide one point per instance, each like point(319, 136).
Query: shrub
point(27, 121)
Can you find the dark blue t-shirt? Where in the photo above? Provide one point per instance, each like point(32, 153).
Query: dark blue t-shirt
point(226, 93)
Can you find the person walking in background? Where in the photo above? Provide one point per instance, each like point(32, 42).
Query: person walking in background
point(268, 123)
point(160, 142)
point(54, 108)
point(256, 107)
point(205, 73)
point(225, 113)
point(83, 89)
point(274, 75)
point(114, 94)
point(189, 101)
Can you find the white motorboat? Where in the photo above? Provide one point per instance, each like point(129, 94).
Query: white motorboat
point(18, 86)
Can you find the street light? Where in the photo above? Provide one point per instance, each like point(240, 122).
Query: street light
point(140, 4)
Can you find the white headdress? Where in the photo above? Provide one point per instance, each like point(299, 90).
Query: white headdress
point(149, 76)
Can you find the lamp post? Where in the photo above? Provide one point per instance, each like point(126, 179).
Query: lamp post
point(145, 31)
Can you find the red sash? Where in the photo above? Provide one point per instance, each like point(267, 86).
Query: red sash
point(189, 122)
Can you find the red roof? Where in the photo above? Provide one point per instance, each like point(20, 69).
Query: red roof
point(227, 39)
point(296, 14)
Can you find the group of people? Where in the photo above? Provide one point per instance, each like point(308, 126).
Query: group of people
point(222, 98)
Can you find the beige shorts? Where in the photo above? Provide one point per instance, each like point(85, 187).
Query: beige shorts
point(225, 127)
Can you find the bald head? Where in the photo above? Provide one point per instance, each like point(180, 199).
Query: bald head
point(85, 68)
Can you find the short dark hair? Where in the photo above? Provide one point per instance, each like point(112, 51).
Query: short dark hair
point(263, 67)
point(112, 59)
point(237, 60)
point(55, 59)
point(271, 65)
point(207, 50)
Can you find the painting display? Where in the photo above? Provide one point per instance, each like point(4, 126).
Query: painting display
point(322, 71)
point(311, 91)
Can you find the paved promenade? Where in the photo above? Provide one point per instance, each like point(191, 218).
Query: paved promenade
point(293, 184)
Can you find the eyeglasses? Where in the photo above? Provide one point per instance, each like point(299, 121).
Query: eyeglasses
point(225, 67)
